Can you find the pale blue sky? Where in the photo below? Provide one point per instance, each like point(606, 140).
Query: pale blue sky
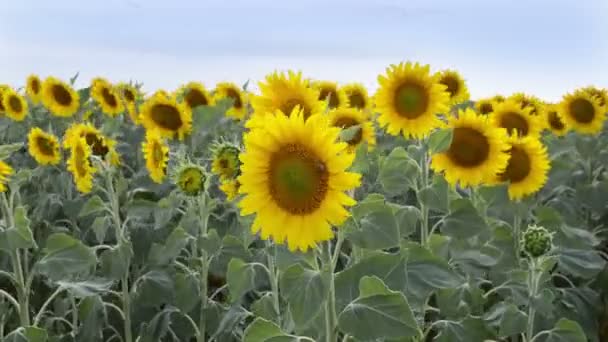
point(545, 47)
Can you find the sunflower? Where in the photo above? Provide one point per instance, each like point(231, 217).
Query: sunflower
point(455, 86)
point(194, 94)
point(527, 101)
point(101, 146)
point(485, 106)
point(601, 95)
point(238, 110)
point(477, 153)
point(5, 171)
point(225, 161)
point(357, 96)
point(348, 117)
point(156, 154)
point(33, 88)
point(107, 96)
point(294, 179)
point(329, 91)
point(516, 120)
point(43, 147)
point(129, 95)
point(59, 98)
point(554, 120)
point(582, 112)
point(14, 105)
point(527, 169)
point(498, 98)
point(284, 92)
point(409, 99)
point(80, 166)
point(3, 88)
point(230, 187)
point(191, 179)
point(167, 116)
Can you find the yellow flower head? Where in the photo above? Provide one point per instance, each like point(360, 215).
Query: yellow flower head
point(3, 88)
point(554, 120)
point(230, 187)
point(167, 116)
point(329, 91)
point(485, 106)
point(14, 105)
point(225, 161)
point(101, 146)
point(498, 98)
point(33, 88)
point(582, 112)
point(129, 95)
point(346, 118)
point(357, 96)
point(601, 95)
point(5, 171)
point(79, 164)
point(194, 94)
point(409, 99)
point(516, 119)
point(156, 154)
point(294, 179)
point(43, 147)
point(239, 107)
point(107, 96)
point(59, 98)
point(455, 86)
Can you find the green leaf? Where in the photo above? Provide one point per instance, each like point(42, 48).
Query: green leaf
point(305, 291)
point(8, 149)
point(186, 292)
point(407, 218)
point(264, 307)
point(94, 205)
point(463, 221)
point(211, 242)
point(440, 140)
point(93, 317)
point(20, 236)
point(566, 330)
point(156, 287)
point(261, 330)
point(348, 134)
point(158, 327)
point(114, 261)
point(398, 172)
point(240, 278)
point(164, 254)
point(27, 334)
point(100, 228)
point(508, 318)
point(377, 315)
point(88, 288)
point(66, 257)
point(377, 229)
point(580, 263)
point(436, 195)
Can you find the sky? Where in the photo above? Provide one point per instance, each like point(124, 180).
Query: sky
point(544, 47)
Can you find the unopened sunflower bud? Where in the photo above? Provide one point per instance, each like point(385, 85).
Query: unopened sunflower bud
point(191, 179)
point(226, 161)
point(536, 241)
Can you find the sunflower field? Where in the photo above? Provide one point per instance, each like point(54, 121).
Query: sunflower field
point(302, 210)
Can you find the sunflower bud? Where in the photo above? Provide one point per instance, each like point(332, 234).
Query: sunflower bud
point(191, 179)
point(536, 241)
point(226, 161)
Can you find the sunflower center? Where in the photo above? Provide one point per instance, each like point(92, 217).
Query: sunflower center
point(555, 122)
point(61, 95)
point(469, 147)
point(35, 86)
point(45, 146)
point(234, 95)
point(582, 110)
point(191, 180)
point(129, 95)
point(108, 97)
point(486, 108)
point(411, 100)
point(288, 106)
point(79, 157)
point(452, 84)
point(15, 104)
point(195, 98)
point(515, 123)
point(298, 179)
point(346, 122)
point(519, 166)
point(97, 144)
point(166, 116)
point(357, 100)
point(334, 101)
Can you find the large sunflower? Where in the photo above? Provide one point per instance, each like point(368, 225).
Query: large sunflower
point(129, 95)
point(485, 106)
point(357, 96)
point(101, 146)
point(527, 169)
point(107, 96)
point(516, 119)
point(225, 163)
point(239, 107)
point(284, 92)
point(5, 171)
point(14, 105)
point(455, 86)
point(294, 179)
point(554, 120)
point(156, 154)
point(348, 117)
point(329, 91)
point(409, 100)
point(582, 112)
point(79, 164)
point(601, 95)
point(33, 88)
point(194, 94)
point(43, 147)
point(167, 116)
point(59, 98)
point(477, 153)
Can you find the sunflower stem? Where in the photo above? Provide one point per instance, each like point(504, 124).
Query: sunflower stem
point(516, 234)
point(204, 265)
point(424, 228)
point(273, 274)
point(533, 284)
point(330, 305)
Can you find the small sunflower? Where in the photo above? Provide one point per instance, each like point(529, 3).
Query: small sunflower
point(225, 163)
point(554, 121)
point(582, 112)
point(527, 101)
point(294, 179)
point(516, 119)
point(167, 116)
point(33, 88)
point(156, 154)
point(3, 88)
point(478, 151)
point(357, 96)
point(43, 147)
point(5, 171)
point(14, 105)
point(601, 95)
point(59, 98)
point(348, 117)
point(79, 164)
point(284, 92)
point(107, 96)
point(230, 187)
point(409, 100)
point(101, 146)
point(129, 95)
point(194, 94)
point(239, 107)
point(485, 106)
point(329, 91)
point(191, 179)
point(455, 86)
point(527, 169)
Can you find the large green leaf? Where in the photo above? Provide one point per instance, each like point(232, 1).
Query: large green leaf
point(398, 172)
point(87, 288)
point(93, 317)
point(186, 291)
point(158, 327)
point(240, 278)
point(407, 218)
point(427, 272)
point(437, 195)
point(581, 263)
point(93, 205)
point(440, 140)
point(508, 318)
point(166, 253)
point(463, 221)
point(20, 236)
point(156, 287)
point(66, 257)
point(566, 330)
point(376, 229)
point(114, 261)
point(262, 330)
point(305, 290)
point(27, 334)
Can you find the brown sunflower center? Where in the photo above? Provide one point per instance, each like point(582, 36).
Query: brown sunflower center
point(582, 110)
point(486, 108)
point(330, 95)
point(469, 147)
point(61, 95)
point(80, 160)
point(346, 122)
point(519, 166)
point(357, 100)
point(288, 106)
point(97, 144)
point(411, 100)
point(45, 146)
point(298, 179)
point(195, 98)
point(35, 85)
point(128, 95)
point(108, 97)
point(15, 104)
point(236, 97)
point(555, 121)
point(515, 123)
point(452, 84)
point(166, 116)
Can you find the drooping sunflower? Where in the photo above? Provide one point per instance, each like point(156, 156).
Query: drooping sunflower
point(43, 147)
point(409, 99)
point(455, 86)
point(107, 96)
point(330, 92)
point(284, 92)
point(101, 146)
point(485, 106)
point(554, 120)
point(477, 153)
point(230, 187)
point(225, 163)
point(14, 105)
point(33, 88)
point(156, 154)
point(191, 179)
point(5, 171)
point(59, 98)
point(170, 118)
point(516, 120)
point(527, 169)
point(357, 96)
point(582, 112)
point(239, 107)
point(601, 95)
point(294, 179)
point(129, 95)
point(194, 94)
point(345, 118)
point(79, 164)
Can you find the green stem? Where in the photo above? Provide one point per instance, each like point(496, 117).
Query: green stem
point(424, 229)
point(273, 273)
point(533, 283)
point(516, 234)
point(45, 305)
point(204, 271)
point(330, 307)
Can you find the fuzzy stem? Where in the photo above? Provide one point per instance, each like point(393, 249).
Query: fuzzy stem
point(45, 305)
point(273, 274)
point(424, 229)
point(204, 271)
point(516, 235)
point(330, 307)
point(533, 283)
